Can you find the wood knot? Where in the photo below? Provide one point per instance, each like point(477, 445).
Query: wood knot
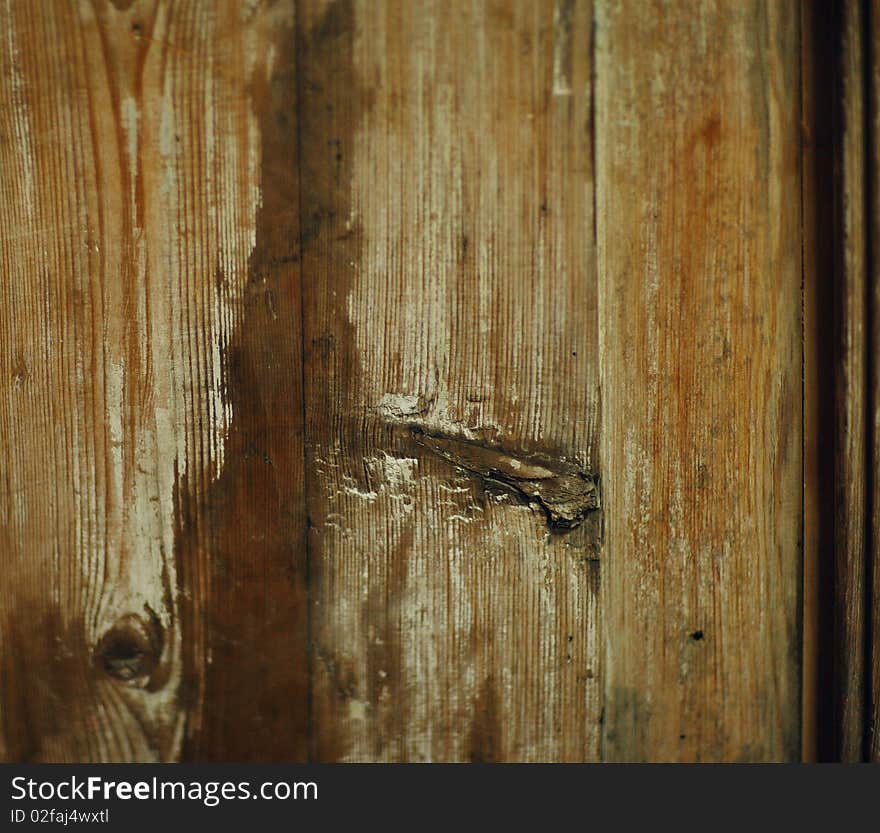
point(131, 649)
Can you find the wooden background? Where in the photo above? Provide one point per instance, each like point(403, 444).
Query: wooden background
point(464, 380)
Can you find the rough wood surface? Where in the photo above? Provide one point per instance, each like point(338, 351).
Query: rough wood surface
point(849, 372)
point(331, 385)
point(873, 163)
point(151, 469)
point(699, 261)
point(451, 361)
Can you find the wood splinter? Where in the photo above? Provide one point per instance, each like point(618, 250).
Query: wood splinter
point(565, 493)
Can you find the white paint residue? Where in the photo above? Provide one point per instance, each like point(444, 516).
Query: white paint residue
point(360, 493)
point(357, 709)
point(454, 490)
point(129, 115)
point(399, 471)
point(461, 519)
point(165, 480)
point(114, 392)
point(399, 405)
point(561, 47)
point(433, 414)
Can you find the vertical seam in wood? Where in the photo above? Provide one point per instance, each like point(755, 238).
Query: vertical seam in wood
point(310, 741)
point(600, 466)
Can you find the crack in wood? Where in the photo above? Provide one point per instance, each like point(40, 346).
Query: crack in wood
point(565, 493)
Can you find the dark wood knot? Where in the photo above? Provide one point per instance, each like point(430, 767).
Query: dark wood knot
point(130, 651)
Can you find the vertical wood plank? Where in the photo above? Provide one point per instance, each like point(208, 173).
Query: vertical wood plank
point(873, 163)
point(451, 358)
point(698, 216)
point(151, 514)
point(849, 352)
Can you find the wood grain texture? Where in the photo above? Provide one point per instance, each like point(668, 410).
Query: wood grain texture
point(439, 381)
point(699, 259)
point(850, 368)
point(151, 469)
point(873, 355)
point(451, 337)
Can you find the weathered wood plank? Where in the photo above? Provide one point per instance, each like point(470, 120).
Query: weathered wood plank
point(848, 349)
point(150, 407)
point(451, 357)
point(698, 215)
point(873, 162)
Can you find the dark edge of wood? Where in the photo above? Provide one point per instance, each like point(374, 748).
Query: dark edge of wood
point(849, 554)
point(820, 29)
point(255, 688)
point(310, 700)
point(869, 73)
point(329, 101)
point(807, 731)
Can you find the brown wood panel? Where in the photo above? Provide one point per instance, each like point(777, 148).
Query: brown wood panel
point(699, 261)
point(873, 357)
point(208, 210)
point(451, 379)
point(151, 513)
point(848, 346)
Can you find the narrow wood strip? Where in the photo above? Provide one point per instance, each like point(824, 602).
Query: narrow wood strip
point(849, 351)
point(873, 162)
point(818, 51)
